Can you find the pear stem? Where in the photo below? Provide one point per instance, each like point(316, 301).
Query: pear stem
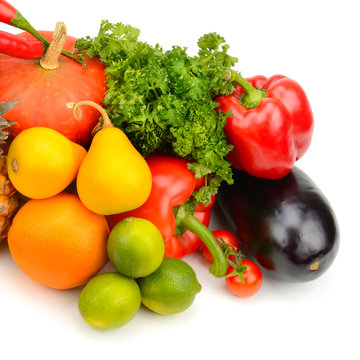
point(78, 114)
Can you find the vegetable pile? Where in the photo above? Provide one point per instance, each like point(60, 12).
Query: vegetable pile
point(164, 100)
point(133, 178)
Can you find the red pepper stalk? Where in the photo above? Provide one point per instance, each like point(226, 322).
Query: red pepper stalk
point(181, 244)
point(20, 47)
point(169, 209)
point(270, 126)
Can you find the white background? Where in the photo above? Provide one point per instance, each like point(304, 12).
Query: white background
point(314, 42)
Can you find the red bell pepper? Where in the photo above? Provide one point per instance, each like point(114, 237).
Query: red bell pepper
point(270, 126)
point(172, 186)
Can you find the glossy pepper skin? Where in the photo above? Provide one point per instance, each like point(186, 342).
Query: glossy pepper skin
point(172, 185)
point(166, 207)
point(271, 125)
point(13, 45)
point(7, 12)
point(18, 47)
point(287, 225)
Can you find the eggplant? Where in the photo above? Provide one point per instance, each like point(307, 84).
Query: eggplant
point(286, 226)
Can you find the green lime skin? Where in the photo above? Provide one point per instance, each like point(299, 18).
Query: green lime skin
point(109, 301)
point(135, 247)
point(171, 288)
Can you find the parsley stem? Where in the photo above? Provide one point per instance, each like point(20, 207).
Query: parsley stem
point(155, 90)
point(212, 55)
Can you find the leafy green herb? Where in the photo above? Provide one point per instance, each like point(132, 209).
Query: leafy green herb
point(164, 100)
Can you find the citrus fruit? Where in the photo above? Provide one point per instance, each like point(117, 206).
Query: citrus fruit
point(109, 300)
point(58, 242)
point(42, 162)
point(135, 247)
point(171, 288)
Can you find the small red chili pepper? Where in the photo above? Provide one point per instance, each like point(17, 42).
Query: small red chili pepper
point(172, 186)
point(11, 16)
point(7, 12)
point(18, 47)
point(270, 126)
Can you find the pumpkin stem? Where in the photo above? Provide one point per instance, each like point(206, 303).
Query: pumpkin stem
point(78, 114)
point(51, 59)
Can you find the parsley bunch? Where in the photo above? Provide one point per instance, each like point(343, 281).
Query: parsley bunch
point(164, 100)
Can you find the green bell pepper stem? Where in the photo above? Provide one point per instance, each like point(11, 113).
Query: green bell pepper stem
point(20, 22)
point(252, 96)
point(220, 264)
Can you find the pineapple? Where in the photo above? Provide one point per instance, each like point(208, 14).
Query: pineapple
point(9, 200)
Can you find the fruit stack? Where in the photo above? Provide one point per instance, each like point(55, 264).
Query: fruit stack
point(60, 237)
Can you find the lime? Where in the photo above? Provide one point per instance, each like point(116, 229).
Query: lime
point(109, 300)
point(171, 288)
point(135, 247)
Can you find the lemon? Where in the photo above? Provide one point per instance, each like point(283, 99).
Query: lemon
point(42, 162)
point(109, 300)
point(135, 247)
point(171, 288)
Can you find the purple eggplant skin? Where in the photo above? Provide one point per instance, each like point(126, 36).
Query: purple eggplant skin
point(286, 226)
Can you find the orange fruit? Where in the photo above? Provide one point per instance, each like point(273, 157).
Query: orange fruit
point(58, 242)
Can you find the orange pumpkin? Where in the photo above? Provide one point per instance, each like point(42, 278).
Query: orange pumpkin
point(43, 94)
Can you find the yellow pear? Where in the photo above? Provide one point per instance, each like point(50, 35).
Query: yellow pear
point(42, 162)
point(113, 177)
